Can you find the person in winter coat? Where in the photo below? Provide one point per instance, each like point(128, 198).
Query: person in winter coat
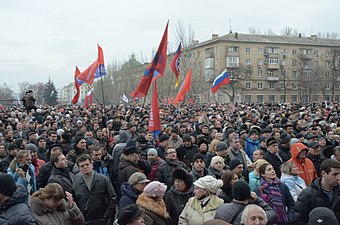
point(202, 207)
point(152, 203)
point(217, 167)
point(179, 193)
point(306, 169)
point(252, 143)
point(130, 215)
point(49, 206)
point(254, 176)
point(323, 192)
point(155, 161)
point(290, 178)
point(13, 210)
point(198, 167)
point(276, 194)
point(79, 149)
point(228, 178)
point(128, 163)
point(132, 189)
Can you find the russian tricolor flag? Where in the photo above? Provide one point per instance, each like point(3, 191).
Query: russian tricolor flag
point(220, 80)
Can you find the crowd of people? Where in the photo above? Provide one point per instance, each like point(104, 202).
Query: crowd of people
point(253, 163)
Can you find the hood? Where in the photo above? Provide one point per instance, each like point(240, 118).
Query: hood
point(296, 149)
point(19, 196)
point(129, 191)
point(252, 142)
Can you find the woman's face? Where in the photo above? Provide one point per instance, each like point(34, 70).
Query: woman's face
point(199, 192)
point(203, 147)
point(180, 185)
point(294, 170)
point(269, 173)
point(218, 166)
point(235, 178)
point(138, 221)
point(52, 203)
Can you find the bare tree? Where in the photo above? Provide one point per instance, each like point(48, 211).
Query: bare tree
point(269, 32)
point(287, 31)
point(6, 95)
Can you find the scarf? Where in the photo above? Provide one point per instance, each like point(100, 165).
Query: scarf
point(271, 194)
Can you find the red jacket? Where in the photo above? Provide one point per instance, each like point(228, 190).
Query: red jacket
point(306, 169)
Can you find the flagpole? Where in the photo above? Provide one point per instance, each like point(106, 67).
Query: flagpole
point(93, 93)
point(101, 81)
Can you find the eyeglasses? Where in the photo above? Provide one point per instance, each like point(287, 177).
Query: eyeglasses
point(172, 152)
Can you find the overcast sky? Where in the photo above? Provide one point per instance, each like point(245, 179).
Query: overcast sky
point(48, 38)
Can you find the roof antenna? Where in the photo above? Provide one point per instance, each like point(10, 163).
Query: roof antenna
point(230, 30)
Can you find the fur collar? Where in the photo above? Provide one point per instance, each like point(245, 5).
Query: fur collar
point(39, 208)
point(148, 203)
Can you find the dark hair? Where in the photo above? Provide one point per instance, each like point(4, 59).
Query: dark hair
point(54, 157)
point(262, 168)
point(328, 164)
point(227, 177)
point(51, 132)
point(84, 157)
point(96, 147)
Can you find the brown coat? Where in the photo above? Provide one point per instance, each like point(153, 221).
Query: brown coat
point(61, 216)
point(155, 213)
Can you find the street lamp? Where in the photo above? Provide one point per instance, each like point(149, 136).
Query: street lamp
point(283, 74)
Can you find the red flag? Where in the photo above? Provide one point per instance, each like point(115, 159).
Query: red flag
point(87, 75)
point(184, 88)
point(154, 121)
point(155, 69)
point(89, 98)
point(101, 67)
point(175, 63)
point(77, 84)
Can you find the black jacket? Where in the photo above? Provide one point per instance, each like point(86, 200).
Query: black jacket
point(15, 211)
point(274, 161)
point(165, 170)
point(62, 177)
point(313, 197)
point(97, 204)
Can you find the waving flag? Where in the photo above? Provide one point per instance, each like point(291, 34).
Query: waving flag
point(155, 69)
point(175, 63)
point(184, 88)
point(220, 80)
point(100, 72)
point(89, 98)
point(77, 83)
point(154, 121)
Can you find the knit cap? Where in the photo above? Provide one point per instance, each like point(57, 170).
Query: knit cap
point(7, 184)
point(209, 183)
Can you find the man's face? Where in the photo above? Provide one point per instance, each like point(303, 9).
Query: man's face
point(315, 151)
point(53, 137)
point(302, 154)
point(82, 144)
point(255, 217)
point(171, 154)
point(254, 136)
point(337, 155)
point(2, 150)
point(332, 178)
point(149, 137)
point(205, 130)
point(97, 155)
point(19, 126)
point(85, 167)
point(289, 130)
point(42, 143)
point(89, 134)
point(187, 143)
point(199, 165)
point(274, 148)
point(257, 155)
point(238, 170)
point(165, 143)
point(235, 144)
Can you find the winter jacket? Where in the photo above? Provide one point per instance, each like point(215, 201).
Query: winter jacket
point(14, 211)
point(97, 204)
point(284, 153)
point(32, 184)
point(225, 194)
point(275, 161)
point(231, 154)
point(60, 216)
point(155, 213)
point(100, 167)
point(186, 155)
point(196, 176)
point(154, 167)
point(216, 173)
point(254, 181)
point(63, 177)
point(312, 197)
point(295, 184)
point(126, 169)
point(74, 154)
point(129, 195)
point(175, 202)
point(165, 170)
point(250, 147)
point(227, 211)
point(194, 214)
point(305, 166)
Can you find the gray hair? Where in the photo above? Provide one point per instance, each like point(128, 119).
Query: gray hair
point(245, 213)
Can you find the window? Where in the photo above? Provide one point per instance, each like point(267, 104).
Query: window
point(248, 85)
point(232, 61)
point(247, 98)
point(271, 85)
point(232, 49)
point(328, 53)
point(295, 62)
point(328, 86)
point(294, 86)
point(248, 62)
point(282, 98)
point(260, 62)
point(260, 85)
point(260, 98)
point(271, 73)
point(259, 73)
point(328, 74)
point(328, 64)
point(273, 50)
point(260, 50)
point(209, 52)
point(271, 98)
point(283, 51)
point(248, 51)
point(294, 52)
point(316, 53)
point(306, 73)
point(294, 98)
point(209, 63)
point(294, 74)
point(273, 61)
point(316, 63)
point(282, 84)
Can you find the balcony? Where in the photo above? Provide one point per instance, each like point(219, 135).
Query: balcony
point(306, 56)
point(272, 78)
point(273, 66)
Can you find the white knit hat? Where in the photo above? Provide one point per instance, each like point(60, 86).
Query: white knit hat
point(209, 183)
point(216, 159)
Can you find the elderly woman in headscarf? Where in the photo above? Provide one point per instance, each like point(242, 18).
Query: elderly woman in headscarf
point(152, 203)
point(202, 207)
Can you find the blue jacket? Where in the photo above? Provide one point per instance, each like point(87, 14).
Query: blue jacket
point(129, 195)
point(24, 181)
point(250, 147)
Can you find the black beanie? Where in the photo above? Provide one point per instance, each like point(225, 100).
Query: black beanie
point(197, 156)
point(181, 174)
point(7, 184)
point(240, 190)
point(18, 142)
point(234, 163)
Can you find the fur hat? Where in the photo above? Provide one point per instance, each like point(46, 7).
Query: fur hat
point(240, 190)
point(155, 189)
point(209, 183)
point(181, 174)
